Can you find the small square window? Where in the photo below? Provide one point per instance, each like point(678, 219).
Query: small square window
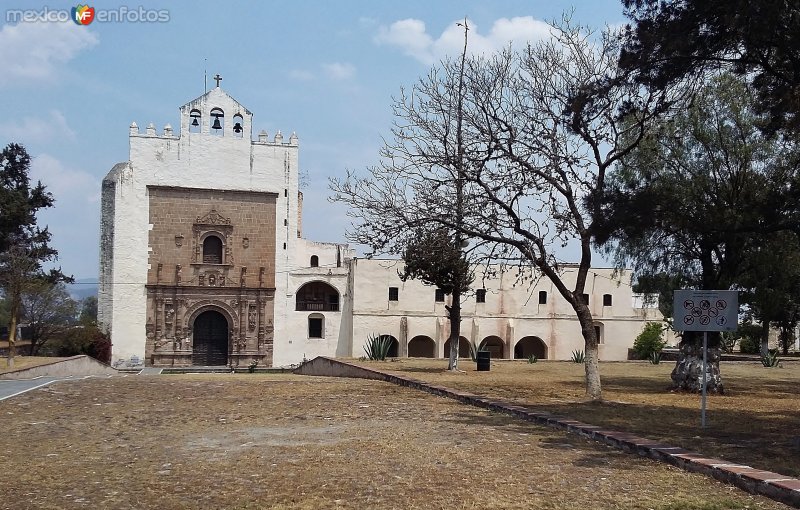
point(439, 296)
point(480, 296)
point(394, 293)
point(314, 327)
point(542, 297)
point(607, 299)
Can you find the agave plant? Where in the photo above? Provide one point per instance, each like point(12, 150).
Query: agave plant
point(377, 347)
point(578, 356)
point(655, 357)
point(475, 348)
point(532, 358)
point(770, 358)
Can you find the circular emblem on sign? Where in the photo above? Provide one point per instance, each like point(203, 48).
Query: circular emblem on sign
point(688, 304)
point(704, 320)
point(696, 311)
point(688, 320)
point(705, 304)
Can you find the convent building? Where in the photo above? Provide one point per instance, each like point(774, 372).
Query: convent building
point(203, 262)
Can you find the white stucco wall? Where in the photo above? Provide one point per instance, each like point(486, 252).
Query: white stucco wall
point(511, 311)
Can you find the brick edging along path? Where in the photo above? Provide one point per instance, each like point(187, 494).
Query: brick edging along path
point(772, 485)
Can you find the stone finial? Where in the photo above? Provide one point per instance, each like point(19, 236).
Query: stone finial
point(134, 128)
point(293, 139)
point(168, 130)
point(279, 137)
point(262, 136)
point(151, 129)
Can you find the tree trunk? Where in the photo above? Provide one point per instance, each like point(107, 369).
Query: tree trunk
point(764, 337)
point(12, 338)
point(592, 352)
point(688, 372)
point(455, 330)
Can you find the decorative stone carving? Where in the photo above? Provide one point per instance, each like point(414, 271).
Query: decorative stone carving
point(213, 218)
point(201, 280)
point(178, 274)
point(179, 240)
point(212, 280)
point(245, 242)
point(251, 317)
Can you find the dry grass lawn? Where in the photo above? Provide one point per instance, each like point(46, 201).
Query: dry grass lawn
point(756, 422)
point(281, 441)
point(25, 362)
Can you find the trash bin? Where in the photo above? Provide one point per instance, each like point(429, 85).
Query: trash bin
point(484, 361)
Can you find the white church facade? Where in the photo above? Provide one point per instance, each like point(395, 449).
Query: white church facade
point(203, 262)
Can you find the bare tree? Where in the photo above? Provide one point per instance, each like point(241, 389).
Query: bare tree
point(49, 311)
point(535, 151)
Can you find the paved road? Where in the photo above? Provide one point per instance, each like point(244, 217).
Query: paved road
point(13, 388)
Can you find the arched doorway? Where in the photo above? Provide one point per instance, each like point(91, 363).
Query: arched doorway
point(493, 344)
point(422, 347)
point(210, 339)
point(463, 348)
point(530, 345)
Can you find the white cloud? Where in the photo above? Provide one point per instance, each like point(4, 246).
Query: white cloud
point(339, 70)
point(38, 130)
point(35, 51)
point(70, 187)
point(412, 37)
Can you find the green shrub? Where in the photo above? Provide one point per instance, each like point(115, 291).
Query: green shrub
point(749, 345)
point(578, 357)
point(650, 340)
point(532, 358)
point(87, 340)
point(377, 347)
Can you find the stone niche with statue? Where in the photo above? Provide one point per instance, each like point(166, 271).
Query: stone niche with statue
point(211, 278)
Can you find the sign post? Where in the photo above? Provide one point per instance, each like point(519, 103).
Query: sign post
point(706, 310)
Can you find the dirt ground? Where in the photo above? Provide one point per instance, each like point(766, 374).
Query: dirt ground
point(21, 362)
point(756, 422)
point(244, 441)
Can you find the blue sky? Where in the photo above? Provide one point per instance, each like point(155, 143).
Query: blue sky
point(325, 69)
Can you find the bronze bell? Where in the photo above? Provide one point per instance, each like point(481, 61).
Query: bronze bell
point(216, 125)
point(194, 122)
point(237, 128)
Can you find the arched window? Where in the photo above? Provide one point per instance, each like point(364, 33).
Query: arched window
point(212, 250)
point(314, 261)
point(196, 121)
point(238, 126)
point(217, 122)
point(317, 297)
point(607, 300)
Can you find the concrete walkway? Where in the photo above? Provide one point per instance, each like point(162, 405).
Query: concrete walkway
point(12, 388)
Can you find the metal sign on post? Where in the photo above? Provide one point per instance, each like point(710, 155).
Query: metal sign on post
point(706, 310)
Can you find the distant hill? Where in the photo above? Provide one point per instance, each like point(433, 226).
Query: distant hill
point(83, 288)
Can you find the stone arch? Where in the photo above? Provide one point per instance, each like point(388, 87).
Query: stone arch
point(207, 350)
point(463, 348)
point(422, 346)
point(394, 348)
point(316, 296)
point(495, 345)
point(238, 125)
point(196, 122)
point(217, 116)
point(530, 345)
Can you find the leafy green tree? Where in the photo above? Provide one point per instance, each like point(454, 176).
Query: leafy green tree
point(694, 203)
point(676, 40)
point(24, 247)
point(432, 257)
point(89, 310)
